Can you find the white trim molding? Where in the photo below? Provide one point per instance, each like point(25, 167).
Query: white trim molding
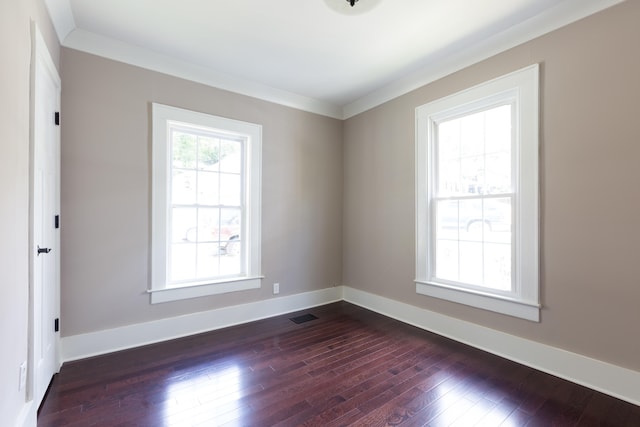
point(613, 380)
point(506, 306)
point(595, 374)
point(437, 66)
point(161, 295)
point(517, 93)
point(246, 140)
point(105, 47)
point(106, 341)
point(62, 17)
point(28, 415)
point(565, 13)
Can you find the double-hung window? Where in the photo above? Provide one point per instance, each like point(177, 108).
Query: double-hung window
point(205, 204)
point(477, 196)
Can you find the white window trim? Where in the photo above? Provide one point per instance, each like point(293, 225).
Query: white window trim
point(524, 301)
point(159, 290)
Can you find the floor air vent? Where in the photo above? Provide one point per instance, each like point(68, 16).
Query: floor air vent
point(303, 318)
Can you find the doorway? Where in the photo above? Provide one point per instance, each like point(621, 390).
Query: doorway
point(44, 220)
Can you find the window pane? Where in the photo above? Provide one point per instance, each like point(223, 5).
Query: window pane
point(471, 134)
point(208, 260)
point(183, 224)
point(208, 153)
point(473, 242)
point(474, 153)
point(471, 263)
point(497, 215)
point(183, 187)
point(498, 173)
point(208, 188)
point(473, 175)
point(208, 225)
point(183, 150)
point(231, 156)
point(448, 225)
point(230, 231)
point(497, 266)
point(449, 183)
point(183, 261)
point(230, 265)
point(498, 129)
point(447, 256)
point(233, 247)
point(449, 140)
point(230, 189)
point(471, 217)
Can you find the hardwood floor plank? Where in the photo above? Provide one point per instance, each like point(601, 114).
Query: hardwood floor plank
point(517, 418)
point(498, 414)
point(477, 412)
point(388, 365)
point(438, 393)
point(350, 366)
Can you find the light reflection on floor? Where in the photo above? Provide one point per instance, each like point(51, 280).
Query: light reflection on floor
point(212, 397)
point(463, 405)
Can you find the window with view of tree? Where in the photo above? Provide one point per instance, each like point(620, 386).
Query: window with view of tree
point(476, 182)
point(206, 204)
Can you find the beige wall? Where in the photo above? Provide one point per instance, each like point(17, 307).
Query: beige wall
point(106, 193)
point(338, 198)
point(15, 51)
point(590, 196)
point(590, 189)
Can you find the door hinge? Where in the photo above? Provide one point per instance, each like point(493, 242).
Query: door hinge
point(56, 325)
point(57, 118)
point(56, 221)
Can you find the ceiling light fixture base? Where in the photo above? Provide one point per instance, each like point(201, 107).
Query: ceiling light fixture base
point(349, 7)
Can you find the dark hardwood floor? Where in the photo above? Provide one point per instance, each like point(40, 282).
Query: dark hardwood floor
point(349, 366)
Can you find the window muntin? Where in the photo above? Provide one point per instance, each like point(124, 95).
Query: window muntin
point(473, 199)
point(205, 204)
point(477, 196)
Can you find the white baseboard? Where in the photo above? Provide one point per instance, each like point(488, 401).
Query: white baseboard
point(101, 342)
point(27, 416)
point(604, 377)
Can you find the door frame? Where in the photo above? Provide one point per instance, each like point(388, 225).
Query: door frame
point(41, 62)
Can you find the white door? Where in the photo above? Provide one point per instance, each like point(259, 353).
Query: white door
point(45, 242)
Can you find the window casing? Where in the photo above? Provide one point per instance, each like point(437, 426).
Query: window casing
point(205, 204)
point(477, 196)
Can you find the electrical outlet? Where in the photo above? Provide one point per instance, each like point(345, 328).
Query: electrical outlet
point(276, 288)
point(23, 376)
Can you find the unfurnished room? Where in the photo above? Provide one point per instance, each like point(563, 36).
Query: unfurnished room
point(319, 213)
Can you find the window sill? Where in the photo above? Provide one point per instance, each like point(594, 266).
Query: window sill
point(510, 307)
point(204, 289)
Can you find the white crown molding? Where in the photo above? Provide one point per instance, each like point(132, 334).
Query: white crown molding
point(601, 376)
point(552, 19)
point(563, 14)
point(122, 52)
point(62, 17)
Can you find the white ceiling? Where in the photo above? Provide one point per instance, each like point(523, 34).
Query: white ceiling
point(337, 61)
